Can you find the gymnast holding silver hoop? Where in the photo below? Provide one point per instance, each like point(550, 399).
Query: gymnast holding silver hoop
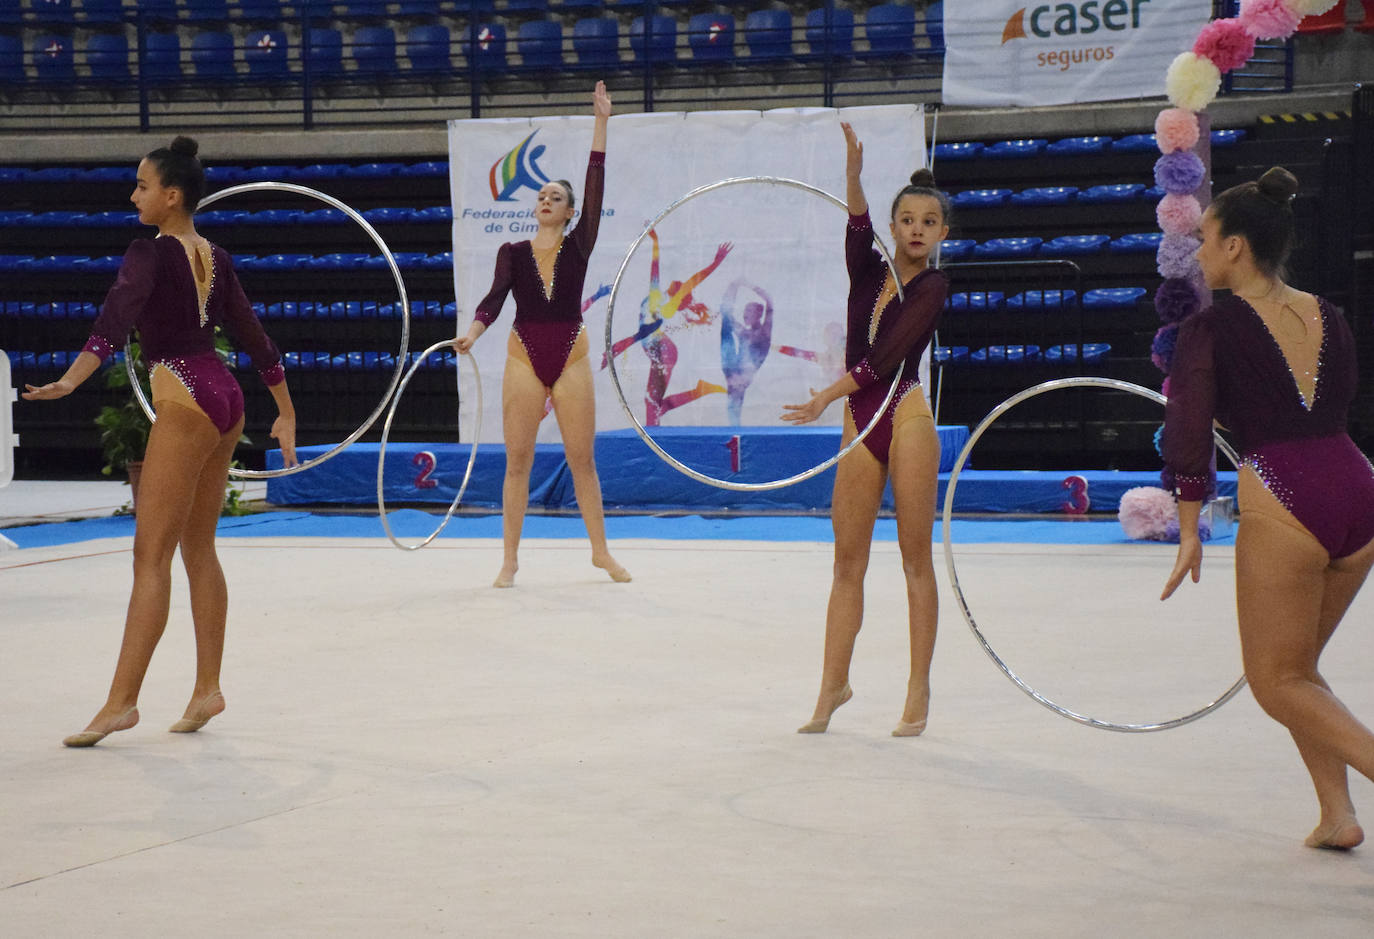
point(1277, 367)
point(175, 289)
point(547, 351)
point(883, 333)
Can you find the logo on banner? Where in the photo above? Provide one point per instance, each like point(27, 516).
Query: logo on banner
point(517, 170)
point(1072, 20)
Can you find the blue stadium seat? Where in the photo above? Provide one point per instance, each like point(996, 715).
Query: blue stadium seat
point(161, 56)
point(1007, 248)
point(1146, 242)
point(891, 29)
point(61, 219)
point(307, 361)
point(1078, 146)
point(12, 262)
point(1005, 355)
point(319, 171)
point(107, 55)
point(274, 262)
point(1014, 149)
point(840, 34)
point(11, 58)
point(373, 170)
point(264, 51)
point(429, 9)
point(1112, 192)
point(203, 11)
point(956, 249)
point(108, 174)
point(57, 263)
point(106, 264)
point(325, 52)
point(102, 11)
point(156, 11)
point(1221, 139)
point(490, 54)
point(935, 26)
point(223, 174)
point(980, 198)
point(977, 300)
point(269, 11)
point(389, 216)
point(374, 50)
point(1093, 352)
point(1039, 300)
point(217, 217)
point(344, 261)
point(1045, 195)
point(958, 151)
point(526, 6)
point(52, 57)
point(10, 14)
point(53, 12)
point(364, 9)
point(661, 45)
point(946, 355)
point(1153, 194)
point(365, 361)
point(443, 261)
point(52, 174)
point(10, 216)
point(579, 6)
point(436, 213)
point(711, 37)
point(1135, 143)
point(1074, 245)
point(409, 260)
point(596, 41)
point(768, 34)
point(427, 49)
point(1113, 298)
point(427, 168)
point(60, 359)
point(271, 216)
point(540, 43)
point(212, 54)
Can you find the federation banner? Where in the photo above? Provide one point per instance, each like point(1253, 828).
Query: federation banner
point(1019, 54)
point(749, 280)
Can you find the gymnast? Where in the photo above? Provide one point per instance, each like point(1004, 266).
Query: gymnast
point(903, 445)
point(1277, 366)
point(546, 353)
point(175, 289)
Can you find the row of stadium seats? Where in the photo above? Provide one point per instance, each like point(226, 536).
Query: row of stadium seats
point(229, 175)
point(1068, 353)
point(710, 37)
point(1069, 146)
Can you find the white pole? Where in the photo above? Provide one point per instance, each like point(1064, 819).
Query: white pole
point(8, 441)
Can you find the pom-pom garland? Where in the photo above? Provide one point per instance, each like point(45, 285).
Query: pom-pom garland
point(1176, 300)
point(1268, 19)
point(1175, 256)
point(1180, 172)
point(1226, 44)
point(1176, 129)
point(1145, 513)
point(1192, 81)
point(1162, 348)
point(1178, 214)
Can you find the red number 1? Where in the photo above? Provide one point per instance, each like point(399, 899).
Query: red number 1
point(733, 447)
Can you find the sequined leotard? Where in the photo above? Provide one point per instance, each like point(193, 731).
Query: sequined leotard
point(904, 331)
point(548, 324)
point(1228, 365)
point(155, 292)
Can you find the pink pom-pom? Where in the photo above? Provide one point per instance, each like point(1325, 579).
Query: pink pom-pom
point(1176, 129)
point(1226, 44)
point(1178, 214)
point(1145, 513)
point(1268, 19)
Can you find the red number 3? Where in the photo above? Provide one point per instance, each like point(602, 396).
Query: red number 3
point(1078, 495)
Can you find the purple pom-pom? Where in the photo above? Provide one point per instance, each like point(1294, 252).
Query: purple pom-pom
point(1175, 256)
point(1162, 348)
point(1176, 300)
point(1180, 173)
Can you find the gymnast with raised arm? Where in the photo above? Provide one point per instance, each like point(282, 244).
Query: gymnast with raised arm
point(1276, 366)
point(547, 351)
point(884, 332)
point(175, 289)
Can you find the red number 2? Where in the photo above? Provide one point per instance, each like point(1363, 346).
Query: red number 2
point(425, 460)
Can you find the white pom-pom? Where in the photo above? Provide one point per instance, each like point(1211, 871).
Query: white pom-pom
point(1192, 81)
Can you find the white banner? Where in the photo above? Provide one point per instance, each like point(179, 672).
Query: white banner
point(1019, 54)
point(764, 320)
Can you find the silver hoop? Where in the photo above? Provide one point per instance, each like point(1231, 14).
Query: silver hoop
point(400, 355)
point(1042, 388)
point(386, 431)
point(615, 376)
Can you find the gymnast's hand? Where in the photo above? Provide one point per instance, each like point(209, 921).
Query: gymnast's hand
point(57, 389)
point(601, 101)
point(854, 152)
point(1189, 559)
point(284, 433)
point(808, 412)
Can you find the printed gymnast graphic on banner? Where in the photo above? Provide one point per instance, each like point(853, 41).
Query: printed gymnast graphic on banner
point(735, 304)
point(1026, 54)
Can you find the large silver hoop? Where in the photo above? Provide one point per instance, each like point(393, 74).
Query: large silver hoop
point(1043, 388)
point(615, 376)
point(386, 432)
point(400, 355)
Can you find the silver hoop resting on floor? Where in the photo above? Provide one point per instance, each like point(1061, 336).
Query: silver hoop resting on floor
point(400, 355)
point(615, 376)
point(993, 415)
point(386, 432)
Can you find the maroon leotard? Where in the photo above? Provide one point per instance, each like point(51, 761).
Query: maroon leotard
point(904, 331)
point(1228, 366)
point(547, 325)
point(155, 292)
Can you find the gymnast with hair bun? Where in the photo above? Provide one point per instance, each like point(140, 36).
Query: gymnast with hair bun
point(175, 289)
point(1276, 366)
point(903, 446)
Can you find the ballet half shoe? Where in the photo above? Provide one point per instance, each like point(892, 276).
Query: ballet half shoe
point(909, 728)
point(819, 725)
point(189, 725)
point(89, 738)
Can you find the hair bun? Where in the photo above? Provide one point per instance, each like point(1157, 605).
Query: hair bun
point(923, 178)
point(1277, 185)
point(185, 145)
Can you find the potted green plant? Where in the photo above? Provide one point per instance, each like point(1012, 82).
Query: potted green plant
point(124, 427)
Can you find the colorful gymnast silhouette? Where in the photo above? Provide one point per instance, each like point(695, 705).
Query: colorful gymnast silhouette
point(831, 356)
point(517, 170)
point(654, 311)
point(744, 342)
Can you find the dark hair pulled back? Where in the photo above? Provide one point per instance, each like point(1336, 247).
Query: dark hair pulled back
point(923, 184)
point(567, 187)
point(178, 168)
point(1261, 212)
